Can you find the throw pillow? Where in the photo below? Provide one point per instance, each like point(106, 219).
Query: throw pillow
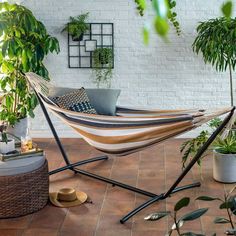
point(75, 101)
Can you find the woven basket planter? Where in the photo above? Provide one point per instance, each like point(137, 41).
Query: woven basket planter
point(23, 194)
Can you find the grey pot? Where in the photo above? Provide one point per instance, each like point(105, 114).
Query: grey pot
point(20, 128)
point(224, 167)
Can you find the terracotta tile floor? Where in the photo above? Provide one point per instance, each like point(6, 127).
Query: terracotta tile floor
point(153, 169)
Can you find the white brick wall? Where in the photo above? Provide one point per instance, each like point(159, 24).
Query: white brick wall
point(162, 75)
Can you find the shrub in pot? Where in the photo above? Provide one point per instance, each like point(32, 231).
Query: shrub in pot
point(6, 144)
point(77, 26)
point(102, 66)
point(224, 159)
point(24, 44)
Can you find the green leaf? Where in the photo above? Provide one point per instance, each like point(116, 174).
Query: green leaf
point(161, 26)
point(227, 8)
point(31, 113)
point(157, 215)
point(194, 214)
point(5, 48)
point(207, 198)
point(226, 205)
point(221, 220)
point(145, 35)
point(182, 203)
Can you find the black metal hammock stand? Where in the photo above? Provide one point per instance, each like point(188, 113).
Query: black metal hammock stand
point(140, 129)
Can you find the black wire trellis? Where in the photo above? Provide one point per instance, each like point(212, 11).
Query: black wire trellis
point(80, 53)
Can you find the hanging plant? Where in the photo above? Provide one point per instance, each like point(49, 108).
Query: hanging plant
point(102, 66)
point(77, 26)
point(23, 46)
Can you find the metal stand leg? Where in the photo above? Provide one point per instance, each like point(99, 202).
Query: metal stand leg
point(173, 188)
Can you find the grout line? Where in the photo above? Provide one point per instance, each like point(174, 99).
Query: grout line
point(136, 185)
point(165, 174)
point(104, 199)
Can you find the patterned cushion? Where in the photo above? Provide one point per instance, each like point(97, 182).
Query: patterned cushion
point(75, 101)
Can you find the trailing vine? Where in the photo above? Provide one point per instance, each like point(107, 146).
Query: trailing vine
point(164, 12)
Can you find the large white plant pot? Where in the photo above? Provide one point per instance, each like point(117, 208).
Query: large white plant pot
point(224, 167)
point(20, 128)
point(7, 147)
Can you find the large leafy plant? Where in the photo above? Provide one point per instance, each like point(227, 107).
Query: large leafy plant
point(24, 42)
point(216, 42)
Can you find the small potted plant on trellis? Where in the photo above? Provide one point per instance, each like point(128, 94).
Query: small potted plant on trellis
point(77, 26)
point(102, 66)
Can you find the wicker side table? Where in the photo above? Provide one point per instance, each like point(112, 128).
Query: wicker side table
point(25, 193)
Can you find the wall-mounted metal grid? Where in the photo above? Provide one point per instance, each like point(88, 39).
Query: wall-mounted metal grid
point(80, 53)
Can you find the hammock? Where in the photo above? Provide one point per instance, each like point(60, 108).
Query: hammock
point(130, 131)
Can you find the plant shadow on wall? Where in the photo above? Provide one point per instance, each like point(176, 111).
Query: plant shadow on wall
point(102, 66)
point(24, 44)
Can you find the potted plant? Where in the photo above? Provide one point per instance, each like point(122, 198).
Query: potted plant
point(224, 152)
point(24, 44)
point(224, 159)
point(216, 42)
point(77, 26)
point(6, 145)
point(102, 66)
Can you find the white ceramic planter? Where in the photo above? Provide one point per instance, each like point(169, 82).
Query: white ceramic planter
point(20, 128)
point(7, 147)
point(224, 167)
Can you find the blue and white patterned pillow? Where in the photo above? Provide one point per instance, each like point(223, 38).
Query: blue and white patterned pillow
point(75, 101)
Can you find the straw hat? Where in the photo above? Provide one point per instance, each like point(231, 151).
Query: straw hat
point(67, 197)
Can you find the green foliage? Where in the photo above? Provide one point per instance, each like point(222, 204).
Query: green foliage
point(228, 203)
point(163, 12)
point(216, 41)
point(23, 46)
point(179, 221)
point(227, 8)
point(77, 25)
point(190, 147)
point(102, 65)
point(226, 145)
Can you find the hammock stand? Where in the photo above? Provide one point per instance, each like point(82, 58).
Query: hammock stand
point(153, 197)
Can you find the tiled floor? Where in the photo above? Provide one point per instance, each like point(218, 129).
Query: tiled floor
point(153, 169)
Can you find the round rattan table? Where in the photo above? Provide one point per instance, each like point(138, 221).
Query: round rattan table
point(25, 193)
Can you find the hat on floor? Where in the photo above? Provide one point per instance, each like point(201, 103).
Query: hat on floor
point(67, 197)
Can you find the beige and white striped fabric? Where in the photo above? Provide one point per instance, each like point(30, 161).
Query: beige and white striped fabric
point(131, 130)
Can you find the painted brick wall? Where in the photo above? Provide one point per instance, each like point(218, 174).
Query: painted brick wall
point(162, 75)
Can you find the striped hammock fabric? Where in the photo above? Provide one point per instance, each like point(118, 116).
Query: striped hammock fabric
point(131, 130)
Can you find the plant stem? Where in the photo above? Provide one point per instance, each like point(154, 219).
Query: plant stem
point(230, 218)
point(176, 224)
point(231, 84)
